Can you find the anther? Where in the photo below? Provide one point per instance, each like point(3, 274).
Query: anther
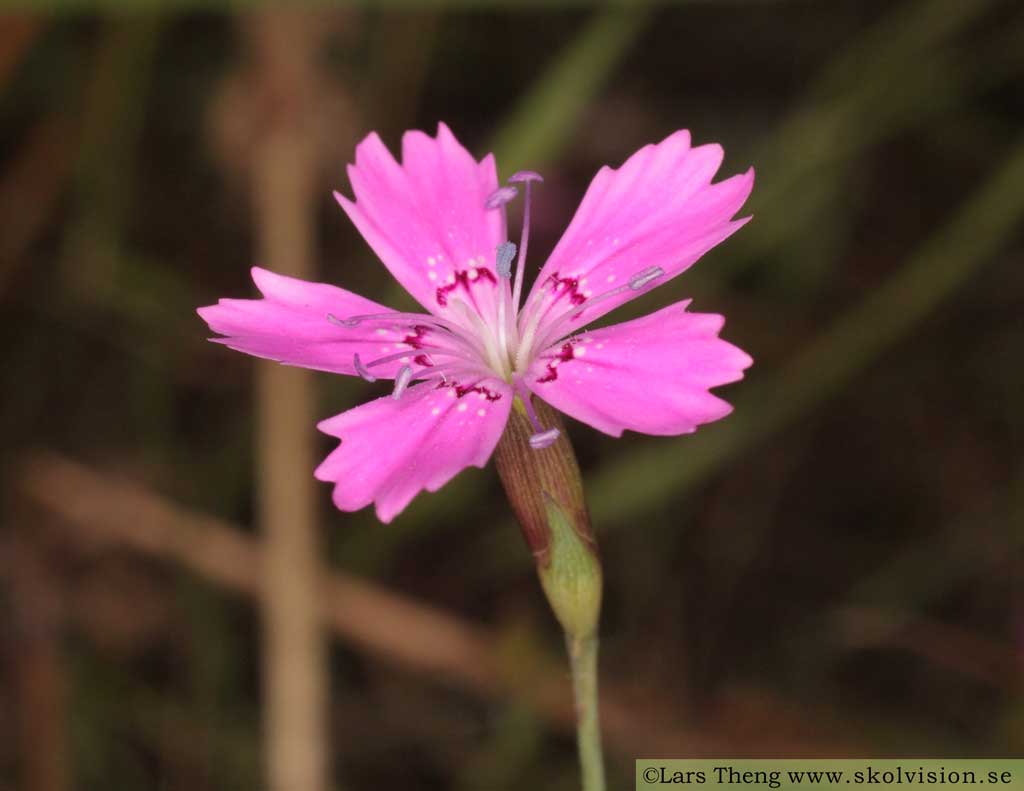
point(503, 259)
point(342, 322)
point(401, 381)
point(361, 370)
point(544, 439)
point(500, 197)
point(642, 278)
point(523, 176)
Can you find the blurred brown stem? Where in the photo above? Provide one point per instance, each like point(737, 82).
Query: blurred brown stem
point(38, 668)
point(284, 167)
point(18, 32)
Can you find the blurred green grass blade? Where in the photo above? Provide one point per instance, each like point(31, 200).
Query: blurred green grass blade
point(924, 571)
point(901, 74)
point(544, 120)
point(114, 106)
point(900, 37)
point(661, 470)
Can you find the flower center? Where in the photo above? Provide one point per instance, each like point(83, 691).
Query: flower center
point(474, 344)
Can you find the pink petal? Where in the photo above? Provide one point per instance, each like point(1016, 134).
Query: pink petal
point(659, 209)
point(426, 219)
point(290, 325)
point(392, 449)
point(650, 375)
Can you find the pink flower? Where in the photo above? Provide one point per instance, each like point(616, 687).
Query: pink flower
point(437, 221)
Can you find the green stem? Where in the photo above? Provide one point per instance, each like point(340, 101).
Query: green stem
point(583, 660)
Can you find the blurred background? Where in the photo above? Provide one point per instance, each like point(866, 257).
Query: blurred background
point(831, 571)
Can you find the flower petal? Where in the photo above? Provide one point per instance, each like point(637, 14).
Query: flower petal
point(650, 375)
point(426, 218)
point(392, 449)
point(659, 209)
point(290, 325)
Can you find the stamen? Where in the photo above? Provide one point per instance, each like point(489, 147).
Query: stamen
point(453, 333)
point(503, 259)
point(636, 282)
point(401, 381)
point(399, 319)
point(358, 365)
point(526, 177)
point(641, 279)
point(500, 197)
point(416, 354)
point(545, 439)
point(541, 438)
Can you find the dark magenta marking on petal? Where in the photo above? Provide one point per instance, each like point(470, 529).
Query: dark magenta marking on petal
point(565, 354)
point(563, 286)
point(419, 332)
point(464, 390)
point(463, 279)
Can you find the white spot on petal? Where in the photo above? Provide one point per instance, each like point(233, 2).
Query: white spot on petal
point(611, 278)
point(435, 411)
point(432, 275)
point(579, 351)
point(462, 407)
point(431, 261)
point(481, 412)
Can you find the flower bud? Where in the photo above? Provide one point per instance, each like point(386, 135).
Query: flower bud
point(546, 493)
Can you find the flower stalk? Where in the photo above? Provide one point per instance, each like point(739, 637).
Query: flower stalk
point(545, 490)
